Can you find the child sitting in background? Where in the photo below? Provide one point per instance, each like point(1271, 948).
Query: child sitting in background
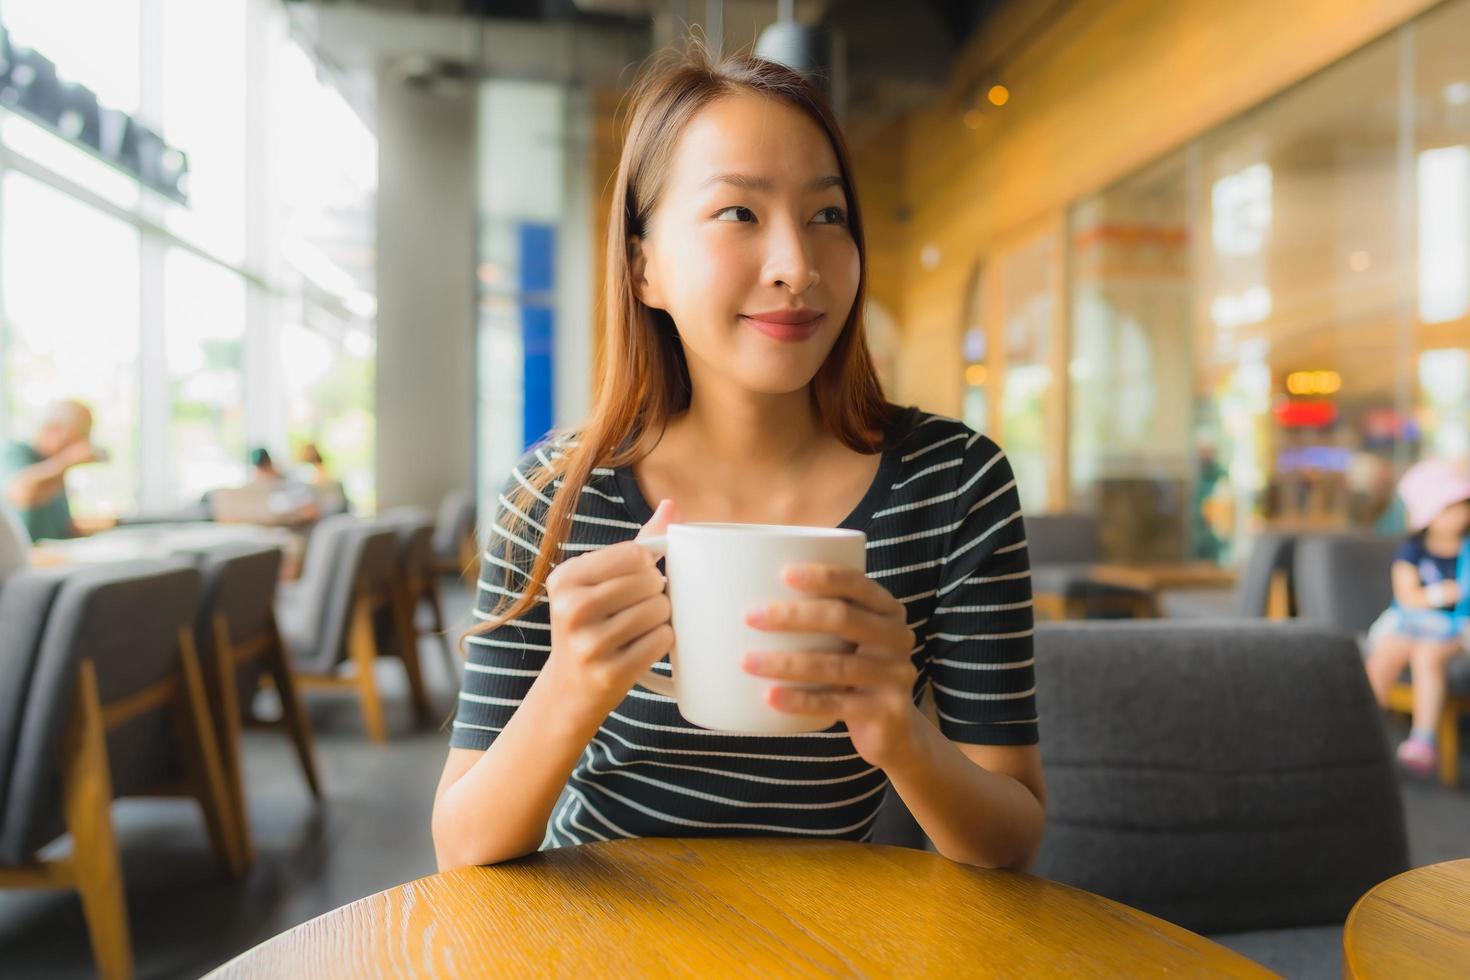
point(1425, 626)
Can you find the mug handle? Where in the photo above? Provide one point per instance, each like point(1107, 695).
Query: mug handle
point(652, 680)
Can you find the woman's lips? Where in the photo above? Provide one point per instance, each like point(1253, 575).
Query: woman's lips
point(788, 332)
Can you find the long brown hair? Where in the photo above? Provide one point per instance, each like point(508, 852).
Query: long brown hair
point(642, 376)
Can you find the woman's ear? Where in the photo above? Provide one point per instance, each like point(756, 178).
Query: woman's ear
point(643, 287)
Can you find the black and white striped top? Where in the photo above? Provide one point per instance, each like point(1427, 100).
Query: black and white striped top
point(945, 536)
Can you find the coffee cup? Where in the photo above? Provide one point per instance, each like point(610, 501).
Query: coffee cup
point(716, 572)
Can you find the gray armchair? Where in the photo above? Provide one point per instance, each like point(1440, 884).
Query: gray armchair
point(1342, 580)
point(1228, 778)
point(418, 582)
point(239, 644)
point(455, 549)
point(327, 618)
point(1270, 563)
point(114, 705)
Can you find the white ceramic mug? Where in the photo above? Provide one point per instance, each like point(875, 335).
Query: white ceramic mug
point(716, 572)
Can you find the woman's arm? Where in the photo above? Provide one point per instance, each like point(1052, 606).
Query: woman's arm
point(609, 621)
point(980, 804)
point(493, 805)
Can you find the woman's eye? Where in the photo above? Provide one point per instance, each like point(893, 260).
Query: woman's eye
point(834, 216)
point(741, 213)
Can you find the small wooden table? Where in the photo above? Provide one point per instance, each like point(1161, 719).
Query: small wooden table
point(1416, 924)
point(702, 907)
point(1151, 578)
point(1154, 577)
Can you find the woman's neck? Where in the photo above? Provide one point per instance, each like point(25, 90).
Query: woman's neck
point(750, 432)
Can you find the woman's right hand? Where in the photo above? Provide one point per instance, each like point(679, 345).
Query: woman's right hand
point(609, 621)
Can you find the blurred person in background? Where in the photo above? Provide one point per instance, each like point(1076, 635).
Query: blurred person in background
point(290, 501)
point(1425, 628)
point(35, 471)
point(331, 497)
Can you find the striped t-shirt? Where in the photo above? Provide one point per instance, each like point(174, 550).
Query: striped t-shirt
point(945, 536)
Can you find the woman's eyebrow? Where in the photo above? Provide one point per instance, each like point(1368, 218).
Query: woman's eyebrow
point(764, 184)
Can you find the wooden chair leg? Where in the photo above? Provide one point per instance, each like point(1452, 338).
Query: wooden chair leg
point(202, 762)
point(362, 648)
point(225, 709)
point(293, 712)
point(86, 788)
point(1449, 743)
point(401, 609)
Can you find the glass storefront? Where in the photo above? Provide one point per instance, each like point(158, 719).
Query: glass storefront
point(1266, 327)
point(242, 318)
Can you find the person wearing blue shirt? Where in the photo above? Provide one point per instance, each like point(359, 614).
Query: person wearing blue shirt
point(1426, 625)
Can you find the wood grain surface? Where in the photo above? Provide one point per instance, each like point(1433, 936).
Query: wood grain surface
point(717, 907)
point(1416, 924)
point(1156, 576)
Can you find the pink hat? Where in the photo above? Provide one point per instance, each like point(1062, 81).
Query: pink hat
point(1429, 487)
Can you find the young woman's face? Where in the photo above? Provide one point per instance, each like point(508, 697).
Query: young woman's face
point(752, 221)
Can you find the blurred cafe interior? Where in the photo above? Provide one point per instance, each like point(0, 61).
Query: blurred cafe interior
point(288, 288)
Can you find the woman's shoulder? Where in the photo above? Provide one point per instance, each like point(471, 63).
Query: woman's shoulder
point(922, 439)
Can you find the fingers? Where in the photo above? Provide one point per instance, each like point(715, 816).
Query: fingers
point(827, 701)
point(831, 669)
point(630, 623)
point(595, 567)
point(665, 514)
point(649, 647)
point(589, 605)
point(836, 616)
point(838, 582)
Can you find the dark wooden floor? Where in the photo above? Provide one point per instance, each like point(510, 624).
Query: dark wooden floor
point(372, 834)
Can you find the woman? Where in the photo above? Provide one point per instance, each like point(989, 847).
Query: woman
point(736, 386)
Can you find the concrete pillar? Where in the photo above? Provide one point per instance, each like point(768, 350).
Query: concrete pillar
point(425, 272)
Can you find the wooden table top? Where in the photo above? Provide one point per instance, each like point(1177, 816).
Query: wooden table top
point(1416, 924)
point(155, 541)
point(1154, 576)
point(666, 907)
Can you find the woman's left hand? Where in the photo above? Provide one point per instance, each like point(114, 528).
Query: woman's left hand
point(870, 688)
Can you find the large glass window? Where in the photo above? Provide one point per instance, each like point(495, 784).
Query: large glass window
point(204, 344)
point(71, 329)
point(1275, 321)
point(1027, 309)
point(247, 312)
point(207, 121)
point(1132, 301)
point(104, 58)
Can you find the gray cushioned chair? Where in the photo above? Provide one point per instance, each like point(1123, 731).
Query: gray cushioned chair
point(455, 550)
point(1226, 777)
point(418, 580)
point(239, 644)
point(114, 706)
point(1343, 581)
point(1270, 562)
point(327, 618)
point(25, 605)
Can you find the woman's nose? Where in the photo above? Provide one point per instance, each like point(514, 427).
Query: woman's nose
point(790, 264)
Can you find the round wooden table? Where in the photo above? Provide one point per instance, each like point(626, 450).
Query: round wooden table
point(1416, 924)
point(664, 907)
